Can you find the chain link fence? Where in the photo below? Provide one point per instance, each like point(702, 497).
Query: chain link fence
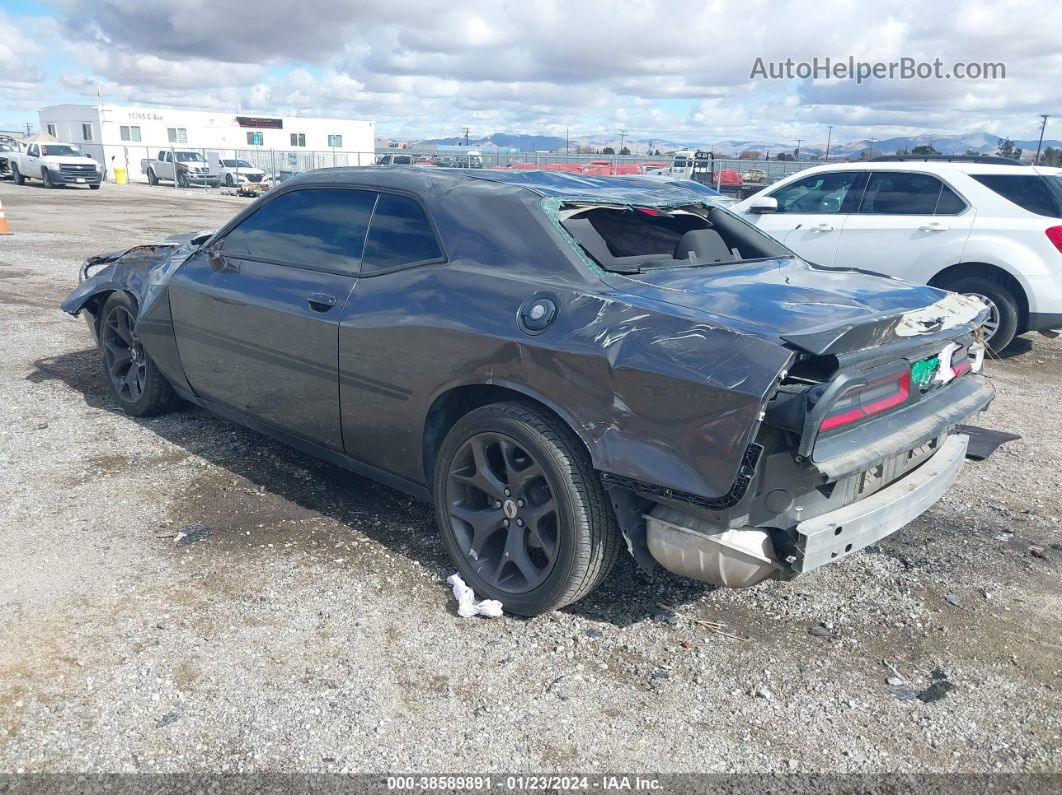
point(255, 169)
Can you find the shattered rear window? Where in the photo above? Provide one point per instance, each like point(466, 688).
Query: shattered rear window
point(631, 239)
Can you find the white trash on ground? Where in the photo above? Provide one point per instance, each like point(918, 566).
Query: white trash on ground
point(467, 606)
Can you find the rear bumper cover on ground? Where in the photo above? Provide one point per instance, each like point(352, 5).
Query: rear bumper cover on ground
point(833, 535)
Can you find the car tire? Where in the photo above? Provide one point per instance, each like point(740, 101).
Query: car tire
point(135, 380)
point(152, 179)
point(47, 179)
point(17, 175)
point(506, 462)
point(229, 181)
point(182, 180)
point(1004, 318)
point(94, 187)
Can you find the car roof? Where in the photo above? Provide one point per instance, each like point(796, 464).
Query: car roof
point(543, 183)
point(941, 166)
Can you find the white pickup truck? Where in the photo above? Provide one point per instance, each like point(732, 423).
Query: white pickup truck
point(190, 166)
point(56, 165)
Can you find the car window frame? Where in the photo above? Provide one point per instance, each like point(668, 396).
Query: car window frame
point(442, 259)
point(217, 243)
point(945, 183)
point(862, 176)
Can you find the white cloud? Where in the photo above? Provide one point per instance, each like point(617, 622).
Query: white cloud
point(428, 66)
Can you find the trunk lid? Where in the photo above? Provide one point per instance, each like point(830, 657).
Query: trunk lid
point(815, 309)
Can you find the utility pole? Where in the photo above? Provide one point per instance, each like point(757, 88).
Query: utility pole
point(829, 137)
point(796, 154)
point(1043, 125)
point(623, 133)
point(466, 136)
point(565, 140)
point(28, 129)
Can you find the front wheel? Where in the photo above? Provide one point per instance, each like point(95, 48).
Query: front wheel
point(521, 510)
point(229, 181)
point(1002, 323)
point(136, 382)
point(182, 180)
point(47, 178)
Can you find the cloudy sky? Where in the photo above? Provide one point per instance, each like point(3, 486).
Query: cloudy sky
point(672, 70)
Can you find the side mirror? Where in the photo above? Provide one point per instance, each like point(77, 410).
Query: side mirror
point(763, 204)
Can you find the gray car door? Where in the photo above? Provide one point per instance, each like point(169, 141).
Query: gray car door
point(256, 317)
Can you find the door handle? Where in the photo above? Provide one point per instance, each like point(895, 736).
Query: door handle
point(319, 302)
point(933, 226)
point(822, 228)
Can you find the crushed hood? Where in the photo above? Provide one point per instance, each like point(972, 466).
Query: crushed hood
point(820, 310)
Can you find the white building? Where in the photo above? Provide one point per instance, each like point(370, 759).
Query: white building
point(121, 136)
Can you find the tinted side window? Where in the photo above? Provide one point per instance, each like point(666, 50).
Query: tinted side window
point(1035, 193)
point(315, 228)
point(400, 235)
point(821, 193)
point(900, 193)
point(949, 203)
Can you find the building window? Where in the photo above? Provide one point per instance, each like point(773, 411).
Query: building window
point(335, 141)
point(254, 138)
point(86, 132)
point(177, 135)
point(131, 134)
point(298, 139)
point(51, 131)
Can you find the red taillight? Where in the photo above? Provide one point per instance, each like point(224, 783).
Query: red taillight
point(869, 400)
point(1054, 234)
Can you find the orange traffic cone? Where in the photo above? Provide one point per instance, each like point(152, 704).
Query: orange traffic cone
point(4, 228)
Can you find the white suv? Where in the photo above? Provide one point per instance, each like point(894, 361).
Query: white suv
point(981, 226)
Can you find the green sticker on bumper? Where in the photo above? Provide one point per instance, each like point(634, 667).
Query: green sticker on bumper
point(922, 371)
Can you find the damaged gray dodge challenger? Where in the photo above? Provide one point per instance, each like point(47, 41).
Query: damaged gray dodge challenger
point(563, 364)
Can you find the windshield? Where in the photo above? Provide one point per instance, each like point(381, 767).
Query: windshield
point(189, 157)
point(634, 239)
point(61, 150)
point(236, 164)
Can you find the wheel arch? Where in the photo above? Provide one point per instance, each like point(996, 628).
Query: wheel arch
point(993, 272)
point(452, 404)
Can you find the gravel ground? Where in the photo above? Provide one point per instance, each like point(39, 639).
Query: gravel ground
point(312, 630)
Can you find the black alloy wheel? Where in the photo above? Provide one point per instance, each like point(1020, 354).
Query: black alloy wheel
point(136, 382)
point(503, 512)
point(123, 355)
point(522, 513)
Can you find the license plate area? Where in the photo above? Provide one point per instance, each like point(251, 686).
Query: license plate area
point(877, 477)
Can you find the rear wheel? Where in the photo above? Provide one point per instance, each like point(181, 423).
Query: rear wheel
point(1002, 323)
point(152, 179)
point(521, 510)
point(135, 381)
point(19, 179)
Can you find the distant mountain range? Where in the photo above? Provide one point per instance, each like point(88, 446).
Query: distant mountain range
point(982, 142)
